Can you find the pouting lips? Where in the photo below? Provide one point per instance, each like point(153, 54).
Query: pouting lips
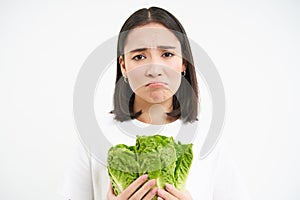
point(156, 84)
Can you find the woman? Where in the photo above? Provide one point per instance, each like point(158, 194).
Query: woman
point(156, 84)
point(153, 55)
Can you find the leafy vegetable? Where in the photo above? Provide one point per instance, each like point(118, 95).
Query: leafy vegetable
point(158, 156)
point(184, 159)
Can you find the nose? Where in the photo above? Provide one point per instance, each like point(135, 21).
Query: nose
point(154, 68)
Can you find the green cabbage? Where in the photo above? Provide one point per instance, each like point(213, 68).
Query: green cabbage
point(158, 156)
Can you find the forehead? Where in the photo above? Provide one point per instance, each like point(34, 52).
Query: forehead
point(151, 35)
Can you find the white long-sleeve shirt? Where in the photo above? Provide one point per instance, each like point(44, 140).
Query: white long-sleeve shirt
point(214, 178)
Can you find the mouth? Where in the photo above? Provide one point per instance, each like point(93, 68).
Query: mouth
point(156, 84)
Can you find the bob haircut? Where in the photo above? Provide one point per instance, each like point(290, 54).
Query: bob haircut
point(185, 100)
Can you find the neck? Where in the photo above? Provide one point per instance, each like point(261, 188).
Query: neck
point(153, 113)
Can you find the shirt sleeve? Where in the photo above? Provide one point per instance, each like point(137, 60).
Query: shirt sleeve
point(228, 182)
point(77, 182)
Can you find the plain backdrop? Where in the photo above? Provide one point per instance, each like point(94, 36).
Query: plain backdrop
point(253, 44)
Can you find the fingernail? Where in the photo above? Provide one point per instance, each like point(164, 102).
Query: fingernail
point(154, 191)
point(169, 187)
point(160, 192)
point(145, 177)
point(152, 182)
point(158, 198)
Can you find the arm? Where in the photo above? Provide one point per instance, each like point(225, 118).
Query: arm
point(77, 181)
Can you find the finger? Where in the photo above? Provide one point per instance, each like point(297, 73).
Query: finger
point(151, 194)
point(143, 190)
point(110, 193)
point(175, 192)
point(166, 195)
point(111, 188)
point(159, 198)
point(134, 186)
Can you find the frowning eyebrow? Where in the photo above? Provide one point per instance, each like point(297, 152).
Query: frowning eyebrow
point(159, 47)
point(166, 47)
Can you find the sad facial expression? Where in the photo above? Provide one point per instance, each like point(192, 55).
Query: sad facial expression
point(152, 62)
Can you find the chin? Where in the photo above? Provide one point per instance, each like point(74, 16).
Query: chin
point(155, 97)
point(157, 100)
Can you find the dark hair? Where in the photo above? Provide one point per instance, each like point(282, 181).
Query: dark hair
point(185, 101)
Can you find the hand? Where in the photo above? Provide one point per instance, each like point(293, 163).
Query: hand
point(136, 190)
point(171, 193)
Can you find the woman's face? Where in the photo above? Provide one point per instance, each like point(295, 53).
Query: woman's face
point(152, 62)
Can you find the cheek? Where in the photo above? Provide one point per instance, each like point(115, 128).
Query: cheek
point(135, 74)
point(176, 64)
point(136, 78)
point(174, 79)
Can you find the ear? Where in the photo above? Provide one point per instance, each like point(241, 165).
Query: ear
point(122, 65)
point(183, 68)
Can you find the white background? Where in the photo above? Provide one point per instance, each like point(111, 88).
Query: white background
point(254, 45)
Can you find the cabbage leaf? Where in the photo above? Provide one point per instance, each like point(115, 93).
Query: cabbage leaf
point(158, 156)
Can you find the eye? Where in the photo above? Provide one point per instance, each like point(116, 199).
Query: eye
point(138, 57)
point(167, 54)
